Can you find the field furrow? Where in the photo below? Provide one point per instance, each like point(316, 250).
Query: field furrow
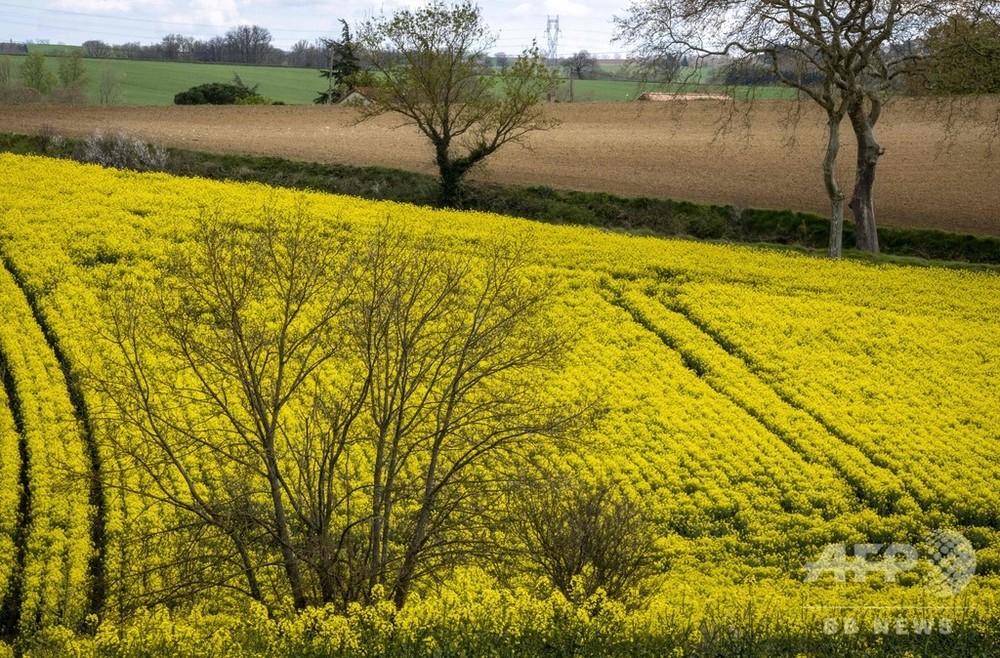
point(97, 496)
point(57, 543)
point(15, 504)
point(873, 485)
point(887, 386)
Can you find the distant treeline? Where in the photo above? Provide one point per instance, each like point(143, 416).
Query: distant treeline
point(245, 44)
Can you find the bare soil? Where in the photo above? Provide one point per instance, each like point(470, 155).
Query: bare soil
point(930, 177)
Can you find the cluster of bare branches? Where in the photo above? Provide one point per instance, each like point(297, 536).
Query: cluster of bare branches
point(844, 55)
point(318, 417)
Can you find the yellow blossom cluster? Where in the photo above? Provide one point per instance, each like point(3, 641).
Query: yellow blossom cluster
point(760, 403)
point(47, 533)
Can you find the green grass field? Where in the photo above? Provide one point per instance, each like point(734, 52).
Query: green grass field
point(620, 91)
point(156, 83)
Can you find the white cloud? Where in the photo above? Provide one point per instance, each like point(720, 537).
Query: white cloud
point(567, 8)
point(585, 24)
point(222, 14)
point(97, 6)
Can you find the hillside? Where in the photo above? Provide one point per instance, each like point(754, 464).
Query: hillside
point(760, 405)
point(143, 82)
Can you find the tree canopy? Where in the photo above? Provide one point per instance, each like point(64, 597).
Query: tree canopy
point(842, 54)
point(431, 66)
point(964, 57)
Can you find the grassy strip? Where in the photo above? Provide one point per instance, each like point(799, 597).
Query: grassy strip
point(641, 215)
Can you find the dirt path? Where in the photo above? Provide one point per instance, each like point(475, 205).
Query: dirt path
point(655, 149)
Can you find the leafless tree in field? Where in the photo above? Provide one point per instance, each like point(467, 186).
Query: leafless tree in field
point(213, 363)
point(431, 66)
point(332, 421)
point(249, 44)
point(842, 54)
point(109, 86)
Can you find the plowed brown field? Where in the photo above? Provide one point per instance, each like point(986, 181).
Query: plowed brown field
point(657, 149)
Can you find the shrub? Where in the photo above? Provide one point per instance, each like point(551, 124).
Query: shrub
point(255, 99)
point(121, 151)
point(216, 93)
point(584, 537)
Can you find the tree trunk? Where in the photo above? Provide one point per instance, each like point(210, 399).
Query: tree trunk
point(869, 151)
point(448, 193)
point(281, 526)
point(454, 169)
point(429, 499)
point(833, 187)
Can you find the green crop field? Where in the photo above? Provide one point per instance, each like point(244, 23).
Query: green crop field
point(618, 91)
point(156, 83)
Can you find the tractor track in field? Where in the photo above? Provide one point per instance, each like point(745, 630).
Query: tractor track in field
point(866, 491)
point(13, 597)
point(96, 497)
point(752, 366)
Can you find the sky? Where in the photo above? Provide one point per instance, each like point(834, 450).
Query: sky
point(583, 24)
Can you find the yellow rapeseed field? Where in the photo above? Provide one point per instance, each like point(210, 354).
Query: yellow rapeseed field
point(761, 405)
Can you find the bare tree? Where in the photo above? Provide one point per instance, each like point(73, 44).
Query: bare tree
point(249, 44)
point(6, 75)
point(213, 50)
point(453, 357)
point(327, 423)
point(581, 65)
point(501, 60)
point(177, 47)
point(846, 42)
point(248, 317)
point(97, 49)
point(430, 65)
point(109, 86)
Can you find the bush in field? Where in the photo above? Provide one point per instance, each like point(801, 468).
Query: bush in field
point(121, 151)
point(584, 537)
point(217, 93)
point(35, 76)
